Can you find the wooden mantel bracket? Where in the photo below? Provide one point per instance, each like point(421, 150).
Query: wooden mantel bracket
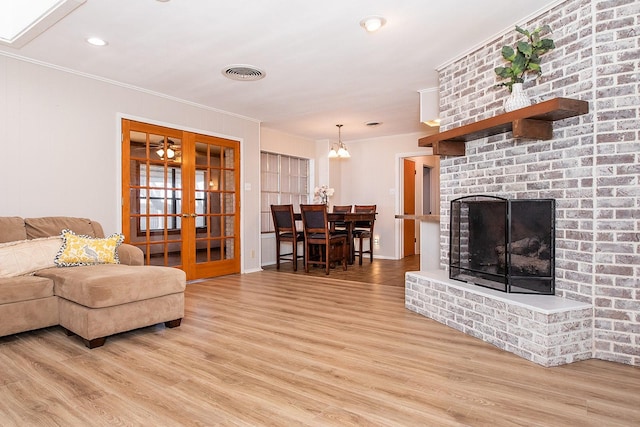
point(533, 122)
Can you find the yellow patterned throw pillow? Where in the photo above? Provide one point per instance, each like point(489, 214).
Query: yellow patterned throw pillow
point(85, 250)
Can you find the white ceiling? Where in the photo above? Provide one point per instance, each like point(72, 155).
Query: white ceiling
point(321, 67)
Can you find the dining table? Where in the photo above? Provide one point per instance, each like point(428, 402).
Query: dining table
point(350, 219)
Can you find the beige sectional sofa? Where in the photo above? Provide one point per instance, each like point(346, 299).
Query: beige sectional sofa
point(91, 301)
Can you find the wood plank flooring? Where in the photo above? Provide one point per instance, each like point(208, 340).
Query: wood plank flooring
point(283, 349)
point(380, 271)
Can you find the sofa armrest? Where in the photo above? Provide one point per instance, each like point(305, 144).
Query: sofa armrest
point(130, 255)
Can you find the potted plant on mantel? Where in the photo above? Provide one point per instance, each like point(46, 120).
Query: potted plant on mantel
point(525, 58)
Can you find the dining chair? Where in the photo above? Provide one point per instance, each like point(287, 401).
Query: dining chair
point(340, 226)
point(285, 228)
point(364, 230)
point(330, 247)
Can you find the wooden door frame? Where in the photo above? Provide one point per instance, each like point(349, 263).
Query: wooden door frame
point(119, 202)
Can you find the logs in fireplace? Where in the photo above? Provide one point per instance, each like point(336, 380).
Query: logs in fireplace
point(503, 244)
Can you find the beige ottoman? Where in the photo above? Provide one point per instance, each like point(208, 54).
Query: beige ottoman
point(101, 300)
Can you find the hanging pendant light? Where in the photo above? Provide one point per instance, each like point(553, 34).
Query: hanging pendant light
point(342, 151)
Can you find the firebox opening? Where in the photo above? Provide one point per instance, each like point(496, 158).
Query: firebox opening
point(508, 245)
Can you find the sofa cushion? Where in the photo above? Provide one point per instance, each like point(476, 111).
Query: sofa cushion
point(106, 285)
point(24, 288)
point(85, 250)
point(12, 228)
point(27, 256)
point(53, 226)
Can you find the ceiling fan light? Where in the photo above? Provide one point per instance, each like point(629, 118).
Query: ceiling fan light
point(170, 153)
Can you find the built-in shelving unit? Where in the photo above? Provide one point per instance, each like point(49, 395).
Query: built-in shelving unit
point(533, 122)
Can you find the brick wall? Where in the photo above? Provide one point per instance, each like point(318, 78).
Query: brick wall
point(591, 166)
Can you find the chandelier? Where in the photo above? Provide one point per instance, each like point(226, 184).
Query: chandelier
point(341, 151)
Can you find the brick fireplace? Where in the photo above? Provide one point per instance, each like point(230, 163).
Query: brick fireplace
point(591, 167)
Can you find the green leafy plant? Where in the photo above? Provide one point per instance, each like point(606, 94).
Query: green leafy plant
point(525, 58)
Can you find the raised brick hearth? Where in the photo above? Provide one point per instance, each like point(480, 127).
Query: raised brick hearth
point(544, 329)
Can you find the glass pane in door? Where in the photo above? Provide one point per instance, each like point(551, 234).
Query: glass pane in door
point(208, 250)
point(215, 229)
point(229, 180)
point(229, 249)
point(229, 203)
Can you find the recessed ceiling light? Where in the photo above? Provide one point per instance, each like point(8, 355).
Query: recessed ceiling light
point(96, 41)
point(372, 23)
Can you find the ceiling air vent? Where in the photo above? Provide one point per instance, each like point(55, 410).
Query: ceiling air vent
point(243, 72)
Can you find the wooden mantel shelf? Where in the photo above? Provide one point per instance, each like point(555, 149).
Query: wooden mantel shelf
point(533, 122)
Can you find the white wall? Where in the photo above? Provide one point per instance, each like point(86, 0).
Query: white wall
point(60, 135)
point(275, 141)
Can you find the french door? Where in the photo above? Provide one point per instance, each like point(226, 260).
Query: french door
point(181, 199)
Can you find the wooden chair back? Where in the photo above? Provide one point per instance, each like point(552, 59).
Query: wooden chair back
point(340, 225)
point(314, 220)
point(283, 219)
point(331, 247)
point(342, 208)
point(364, 230)
point(365, 209)
point(285, 229)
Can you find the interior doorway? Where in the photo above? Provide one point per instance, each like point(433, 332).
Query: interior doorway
point(424, 190)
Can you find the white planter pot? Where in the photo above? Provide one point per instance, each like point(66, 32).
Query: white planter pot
point(518, 98)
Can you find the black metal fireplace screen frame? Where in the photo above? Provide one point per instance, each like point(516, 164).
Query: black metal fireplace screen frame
point(503, 244)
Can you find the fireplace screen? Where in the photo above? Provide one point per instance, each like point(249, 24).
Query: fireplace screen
point(508, 245)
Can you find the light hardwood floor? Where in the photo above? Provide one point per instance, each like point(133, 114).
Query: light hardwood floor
point(380, 271)
point(281, 349)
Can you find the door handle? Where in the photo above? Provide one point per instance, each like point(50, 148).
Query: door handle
point(185, 215)
point(194, 215)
